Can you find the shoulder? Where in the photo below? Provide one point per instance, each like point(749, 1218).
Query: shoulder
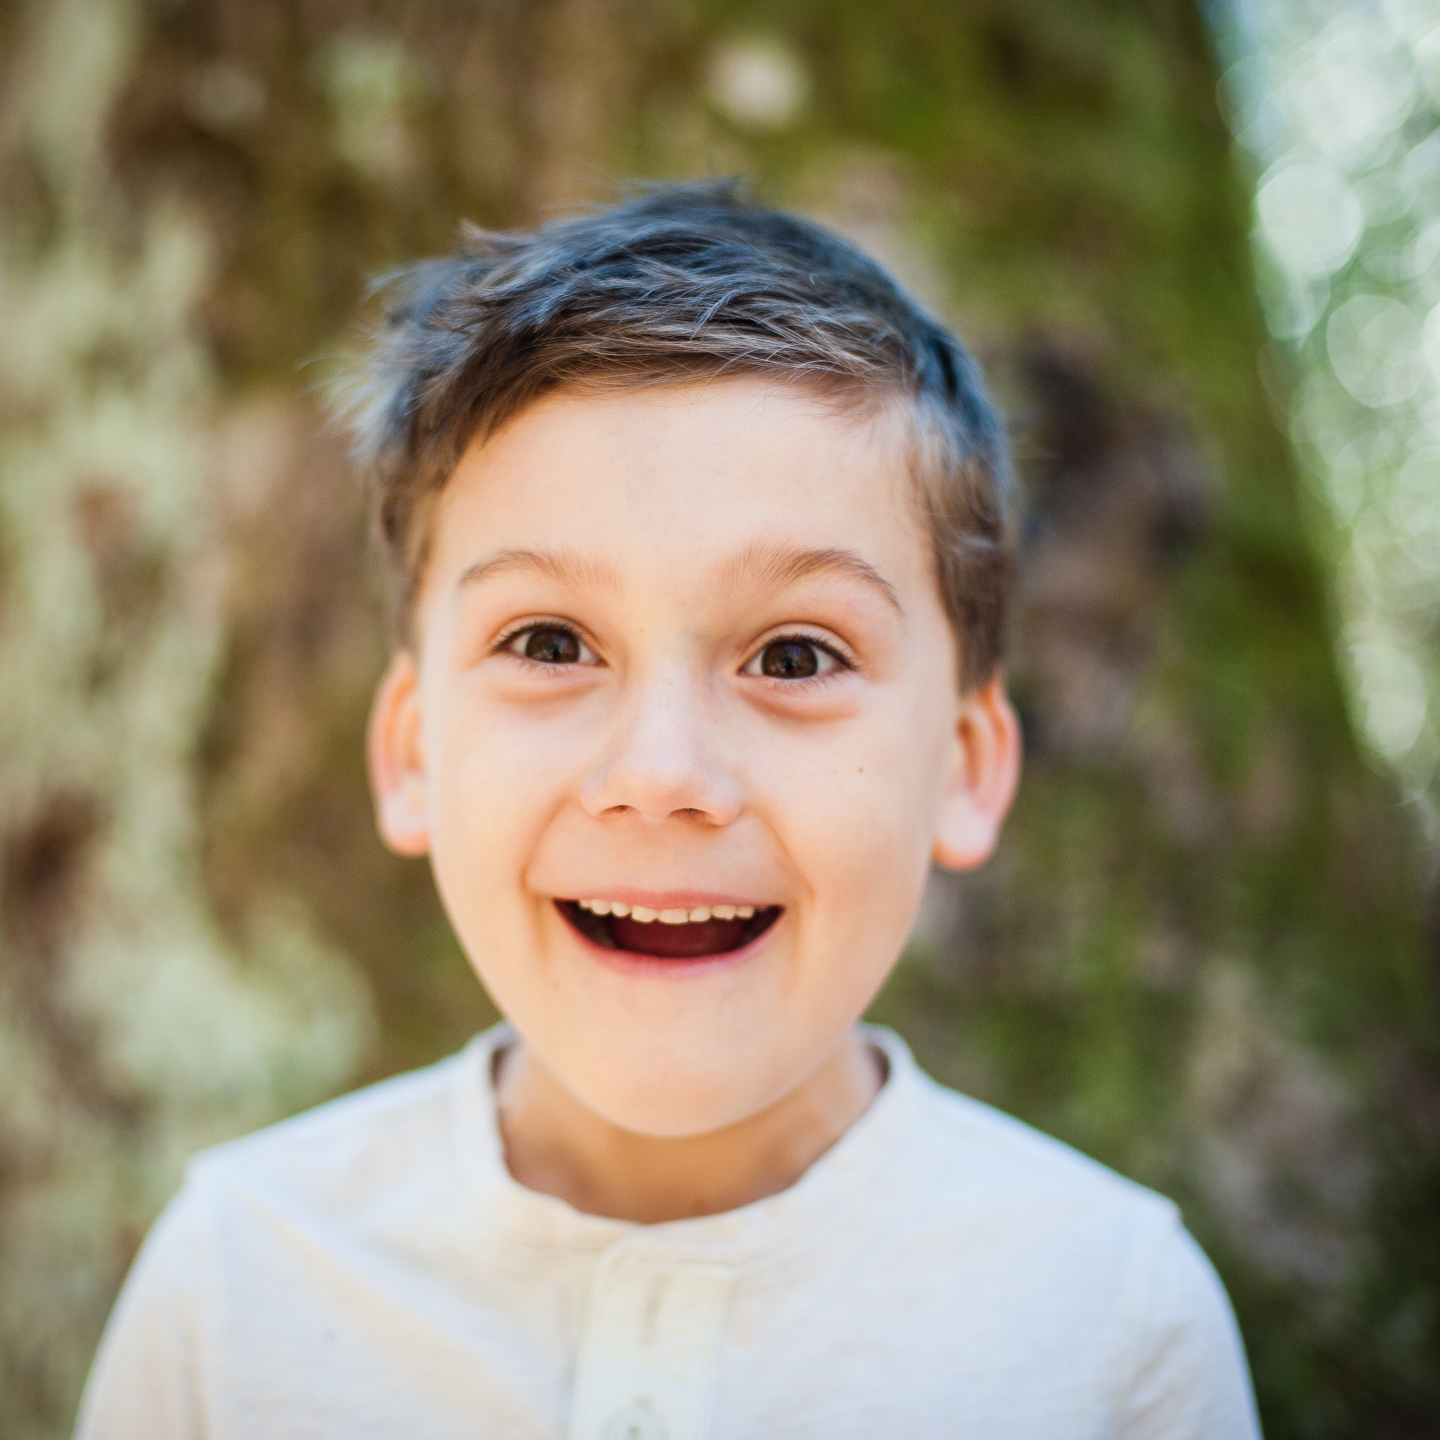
point(1074, 1261)
point(344, 1158)
point(986, 1189)
point(966, 1152)
point(976, 1143)
point(279, 1241)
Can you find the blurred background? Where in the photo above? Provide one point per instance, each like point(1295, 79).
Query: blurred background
point(1198, 251)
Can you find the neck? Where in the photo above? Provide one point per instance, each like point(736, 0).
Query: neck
point(556, 1145)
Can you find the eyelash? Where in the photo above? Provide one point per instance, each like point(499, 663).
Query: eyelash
point(841, 659)
point(509, 637)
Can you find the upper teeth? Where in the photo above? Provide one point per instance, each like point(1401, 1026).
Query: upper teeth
point(645, 915)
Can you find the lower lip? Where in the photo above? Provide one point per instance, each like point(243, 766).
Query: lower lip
point(637, 966)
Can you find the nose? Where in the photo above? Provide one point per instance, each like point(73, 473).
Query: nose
point(663, 757)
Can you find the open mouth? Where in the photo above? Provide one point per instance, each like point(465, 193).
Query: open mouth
point(670, 934)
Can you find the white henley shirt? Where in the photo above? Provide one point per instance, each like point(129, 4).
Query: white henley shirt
point(371, 1269)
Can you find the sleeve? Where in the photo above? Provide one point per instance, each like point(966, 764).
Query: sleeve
point(1188, 1379)
point(143, 1382)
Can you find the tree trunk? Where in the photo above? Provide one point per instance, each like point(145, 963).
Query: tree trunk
point(1199, 954)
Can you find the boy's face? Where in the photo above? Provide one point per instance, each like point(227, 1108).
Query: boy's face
point(681, 650)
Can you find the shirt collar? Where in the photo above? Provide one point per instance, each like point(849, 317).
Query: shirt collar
point(798, 1215)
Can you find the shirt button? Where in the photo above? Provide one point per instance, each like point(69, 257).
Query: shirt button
point(634, 1422)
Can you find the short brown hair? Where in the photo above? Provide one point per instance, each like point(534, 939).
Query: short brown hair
point(686, 281)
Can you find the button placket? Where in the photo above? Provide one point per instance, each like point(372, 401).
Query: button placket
point(648, 1349)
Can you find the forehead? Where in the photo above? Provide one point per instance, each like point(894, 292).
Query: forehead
point(673, 478)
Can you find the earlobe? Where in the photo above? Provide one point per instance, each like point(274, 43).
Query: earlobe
point(396, 756)
point(982, 783)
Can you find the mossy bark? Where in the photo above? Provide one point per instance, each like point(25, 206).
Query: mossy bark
point(1200, 954)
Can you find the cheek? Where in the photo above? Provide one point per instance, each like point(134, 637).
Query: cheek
point(856, 811)
point(500, 776)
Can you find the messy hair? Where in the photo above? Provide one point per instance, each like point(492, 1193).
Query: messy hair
point(684, 282)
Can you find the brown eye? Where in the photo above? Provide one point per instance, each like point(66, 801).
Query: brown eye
point(552, 647)
point(793, 657)
point(550, 643)
point(790, 660)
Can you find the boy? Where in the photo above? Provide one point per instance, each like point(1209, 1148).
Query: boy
point(700, 534)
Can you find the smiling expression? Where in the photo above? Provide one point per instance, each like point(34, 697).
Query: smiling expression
point(681, 734)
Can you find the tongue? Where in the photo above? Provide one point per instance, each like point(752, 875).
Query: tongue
point(707, 937)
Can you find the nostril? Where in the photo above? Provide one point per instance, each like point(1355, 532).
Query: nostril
point(625, 790)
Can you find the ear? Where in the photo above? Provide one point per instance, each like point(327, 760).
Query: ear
point(985, 771)
point(396, 755)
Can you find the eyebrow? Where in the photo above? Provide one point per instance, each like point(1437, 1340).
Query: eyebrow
point(562, 566)
point(783, 566)
point(780, 565)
